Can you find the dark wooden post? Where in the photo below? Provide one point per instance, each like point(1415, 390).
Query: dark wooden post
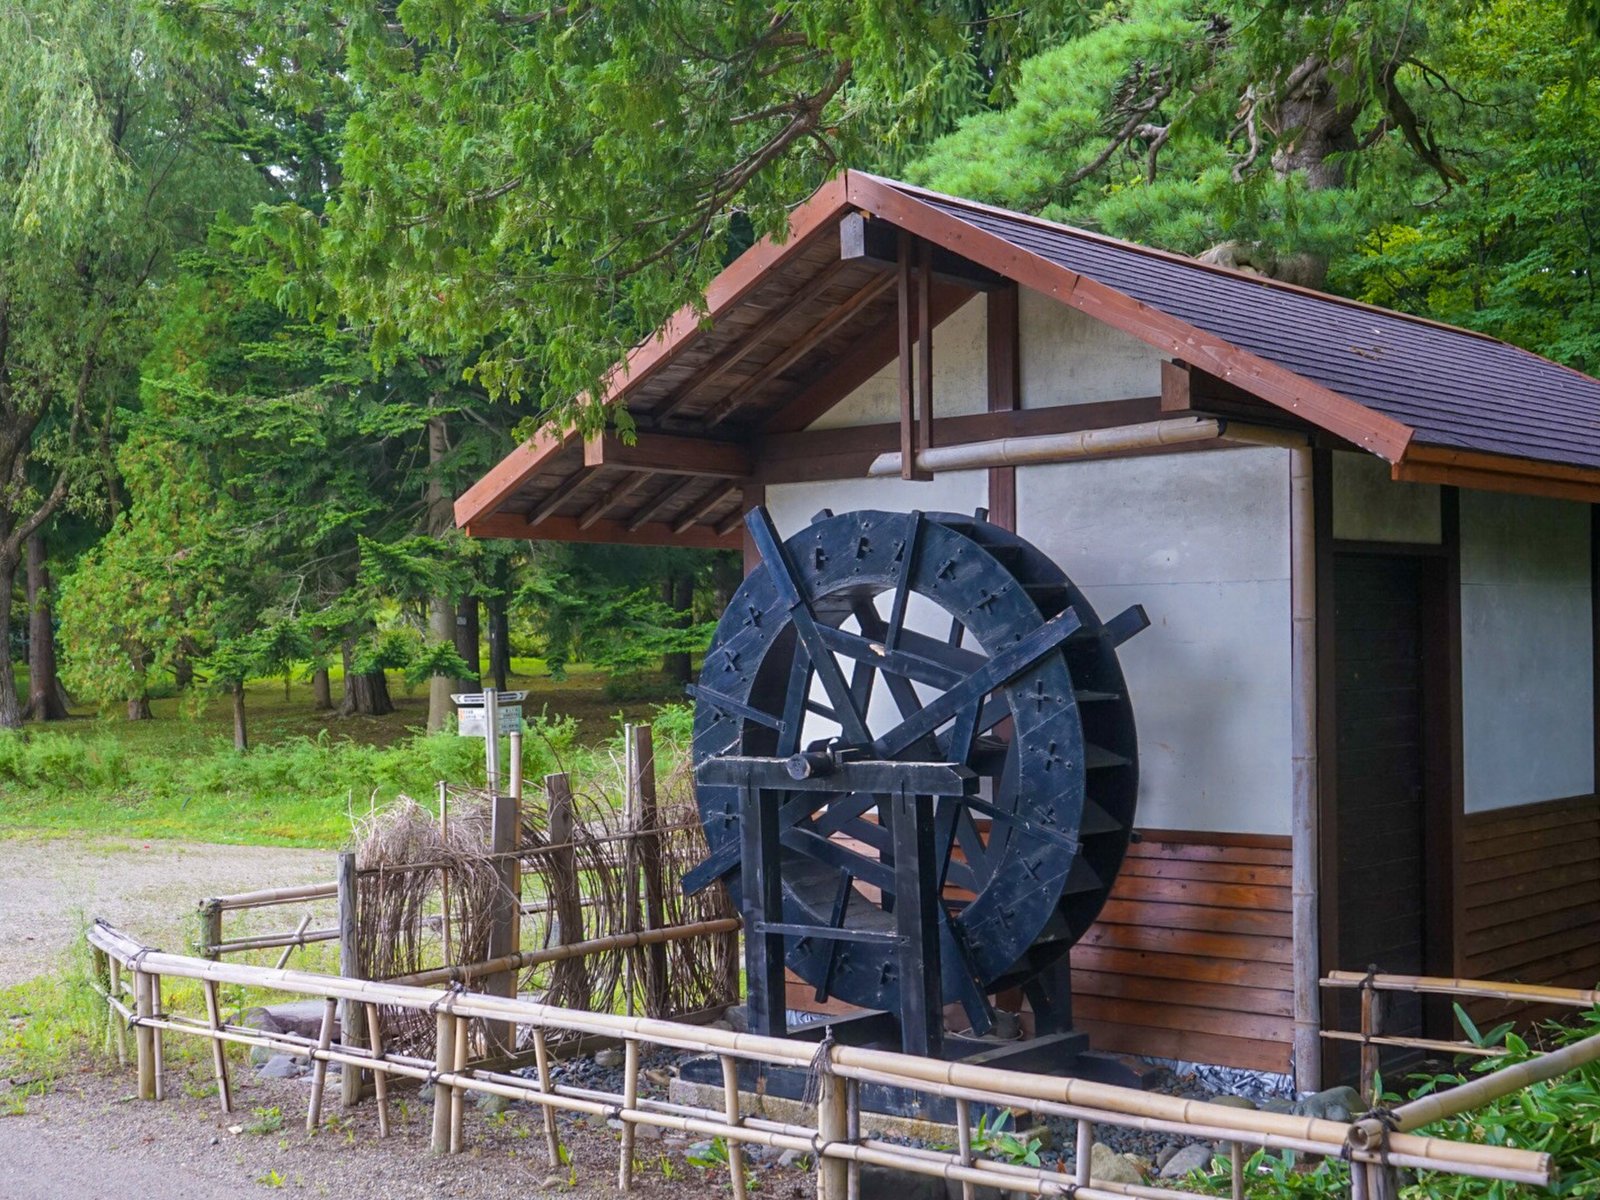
point(210, 929)
point(916, 900)
point(569, 979)
point(647, 813)
point(762, 889)
point(503, 920)
point(352, 1020)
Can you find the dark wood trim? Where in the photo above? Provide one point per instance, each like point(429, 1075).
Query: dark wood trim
point(566, 529)
point(874, 351)
point(652, 507)
point(1594, 634)
point(1277, 385)
point(906, 331)
point(1454, 902)
point(1441, 708)
point(620, 491)
point(876, 244)
point(714, 500)
point(1201, 837)
point(560, 494)
point(1539, 808)
point(1404, 549)
point(1529, 478)
point(1327, 735)
point(670, 454)
point(846, 453)
point(1003, 342)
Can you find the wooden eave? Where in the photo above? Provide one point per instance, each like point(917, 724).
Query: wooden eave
point(791, 328)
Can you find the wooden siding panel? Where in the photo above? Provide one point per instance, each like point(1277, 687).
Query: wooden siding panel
point(1531, 900)
point(1191, 957)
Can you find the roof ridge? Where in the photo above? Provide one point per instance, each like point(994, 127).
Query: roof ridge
point(1185, 260)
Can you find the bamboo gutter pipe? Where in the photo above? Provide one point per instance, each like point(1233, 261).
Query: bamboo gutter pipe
point(1063, 447)
point(1305, 796)
point(1327, 1137)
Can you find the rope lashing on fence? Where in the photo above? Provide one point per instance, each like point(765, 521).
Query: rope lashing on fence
point(821, 1064)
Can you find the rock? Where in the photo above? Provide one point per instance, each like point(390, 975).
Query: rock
point(260, 1018)
point(1234, 1102)
point(1166, 1153)
point(490, 1105)
point(726, 1026)
point(1107, 1166)
point(425, 1093)
point(738, 1018)
point(1193, 1157)
point(259, 1055)
point(952, 1191)
point(1335, 1104)
point(879, 1181)
point(608, 1059)
point(647, 1133)
point(788, 1158)
point(302, 1017)
point(280, 1066)
point(553, 1181)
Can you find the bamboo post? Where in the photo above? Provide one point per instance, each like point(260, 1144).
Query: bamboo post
point(319, 1067)
point(351, 1013)
point(1358, 1181)
point(657, 1000)
point(444, 874)
point(210, 929)
point(1085, 1153)
point(1236, 1163)
point(458, 1094)
point(144, 1037)
point(159, 1049)
point(852, 1108)
point(444, 1057)
point(119, 1028)
point(219, 1058)
point(570, 979)
point(630, 863)
point(1305, 798)
point(516, 838)
point(1369, 1030)
point(833, 1125)
point(541, 1054)
point(380, 1077)
point(505, 820)
point(299, 933)
point(630, 1101)
point(730, 1108)
point(964, 1143)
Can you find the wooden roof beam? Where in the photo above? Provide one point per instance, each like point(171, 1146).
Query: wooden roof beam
point(662, 500)
point(876, 244)
point(615, 496)
point(603, 532)
point(752, 340)
point(559, 495)
point(705, 508)
point(669, 454)
point(836, 319)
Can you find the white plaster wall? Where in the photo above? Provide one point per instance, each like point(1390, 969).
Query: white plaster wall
point(1527, 663)
point(1070, 358)
point(1369, 506)
point(960, 376)
point(1202, 541)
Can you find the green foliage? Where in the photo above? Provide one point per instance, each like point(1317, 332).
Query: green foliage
point(998, 1140)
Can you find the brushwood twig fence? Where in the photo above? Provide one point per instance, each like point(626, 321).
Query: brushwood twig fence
point(131, 975)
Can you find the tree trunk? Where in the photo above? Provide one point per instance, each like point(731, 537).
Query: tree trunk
point(441, 613)
point(10, 707)
point(321, 691)
point(366, 694)
point(679, 593)
point(139, 708)
point(183, 672)
point(468, 638)
point(241, 740)
point(46, 696)
point(499, 641)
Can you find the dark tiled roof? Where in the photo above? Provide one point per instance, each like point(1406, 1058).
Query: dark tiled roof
point(1455, 388)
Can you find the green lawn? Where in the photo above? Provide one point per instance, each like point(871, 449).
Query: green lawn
point(305, 776)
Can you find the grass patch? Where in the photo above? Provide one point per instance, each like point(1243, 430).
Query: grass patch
point(307, 775)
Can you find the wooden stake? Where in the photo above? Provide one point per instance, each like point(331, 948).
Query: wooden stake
point(563, 875)
point(444, 874)
point(832, 1126)
point(380, 1078)
point(157, 1009)
point(144, 1037)
point(444, 1057)
point(505, 819)
point(964, 1140)
point(1369, 1052)
point(118, 1026)
point(657, 1001)
point(730, 1106)
point(852, 1108)
point(458, 1095)
point(319, 1069)
point(630, 1100)
point(219, 1060)
point(1236, 1160)
point(210, 929)
point(541, 1053)
point(350, 1022)
point(1085, 1153)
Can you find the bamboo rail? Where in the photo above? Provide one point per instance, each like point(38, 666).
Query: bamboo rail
point(267, 897)
point(1472, 988)
point(836, 1136)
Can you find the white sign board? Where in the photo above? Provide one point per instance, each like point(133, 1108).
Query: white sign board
point(478, 698)
point(471, 722)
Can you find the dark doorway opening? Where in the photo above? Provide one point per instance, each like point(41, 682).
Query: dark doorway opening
point(1387, 832)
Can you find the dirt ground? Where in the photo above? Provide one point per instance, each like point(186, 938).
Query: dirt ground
point(51, 887)
point(90, 1140)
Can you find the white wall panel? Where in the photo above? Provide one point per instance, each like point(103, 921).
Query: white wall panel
point(1527, 662)
point(1070, 358)
point(1202, 541)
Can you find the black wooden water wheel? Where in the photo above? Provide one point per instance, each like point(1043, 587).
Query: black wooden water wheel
point(897, 639)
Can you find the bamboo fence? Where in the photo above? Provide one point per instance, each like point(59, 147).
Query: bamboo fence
point(131, 970)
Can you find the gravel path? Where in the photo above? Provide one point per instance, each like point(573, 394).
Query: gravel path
point(89, 1140)
point(50, 887)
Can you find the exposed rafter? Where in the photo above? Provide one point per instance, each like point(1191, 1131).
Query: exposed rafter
point(661, 501)
point(705, 508)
